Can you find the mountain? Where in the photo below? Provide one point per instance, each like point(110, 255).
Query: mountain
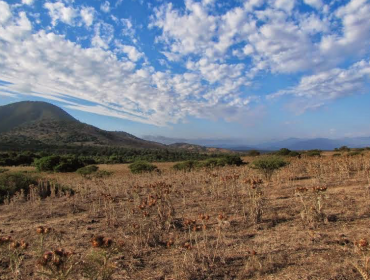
point(198, 148)
point(316, 143)
point(21, 113)
point(39, 123)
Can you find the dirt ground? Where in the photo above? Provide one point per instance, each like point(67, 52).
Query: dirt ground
point(311, 221)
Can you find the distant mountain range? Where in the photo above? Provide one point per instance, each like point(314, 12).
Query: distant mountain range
point(30, 123)
point(290, 143)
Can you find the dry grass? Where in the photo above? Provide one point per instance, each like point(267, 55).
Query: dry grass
point(214, 224)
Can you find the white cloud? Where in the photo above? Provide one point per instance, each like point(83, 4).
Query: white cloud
point(28, 2)
point(58, 11)
point(190, 32)
point(286, 5)
point(316, 90)
point(47, 65)
point(216, 53)
point(105, 7)
point(132, 53)
point(248, 50)
point(314, 3)
point(5, 12)
point(87, 14)
point(103, 35)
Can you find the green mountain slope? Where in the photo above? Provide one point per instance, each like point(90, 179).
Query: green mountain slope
point(37, 123)
point(25, 112)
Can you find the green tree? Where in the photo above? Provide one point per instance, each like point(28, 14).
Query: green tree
point(268, 165)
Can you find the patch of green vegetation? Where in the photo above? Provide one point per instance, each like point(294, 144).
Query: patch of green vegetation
point(253, 153)
point(268, 165)
point(3, 170)
point(337, 155)
point(313, 153)
point(139, 167)
point(209, 163)
point(16, 182)
point(342, 149)
point(13, 182)
point(354, 153)
point(14, 155)
point(102, 174)
point(186, 166)
point(287, 152)
point(58, 164)
point(87, 170)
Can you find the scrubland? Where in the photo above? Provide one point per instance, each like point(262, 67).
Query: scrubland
point(310, 221)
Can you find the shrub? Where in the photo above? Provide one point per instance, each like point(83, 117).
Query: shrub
point(186, 166)
point(354, 153)
point(47, 163)
point(58, 164)
point(267, 165)
point(210, 163)
point(231, 160)
point(102, 174)
point(313, 153)
point(141, 167)
point(283, 152)
point(87, 170)
point(337, 155)
point(253, 153)
point(3, 170)
point(344, 149)
point(13, 182)
point(294, 154)
point(68, 165)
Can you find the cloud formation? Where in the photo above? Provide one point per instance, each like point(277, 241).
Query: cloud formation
point(202, 62)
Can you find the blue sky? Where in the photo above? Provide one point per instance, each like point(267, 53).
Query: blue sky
point(253, 70)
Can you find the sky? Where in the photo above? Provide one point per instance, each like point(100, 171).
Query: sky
point(253, 70)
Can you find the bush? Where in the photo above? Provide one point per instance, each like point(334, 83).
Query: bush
point(231, 160)
point(3, 170)
point(209, 163)
point(102, 174)
point(58, 164)
point(343, 149)
point(47, 163)
point(267, 165)
point(354, 153)
point(253, 153)
point(186, 166)
point(294, 154)
point(287, 152)
point(141, 167)
point(283, 152)
point(13, 182)
point(337, 155)
point(87, 170)
point(313, 153)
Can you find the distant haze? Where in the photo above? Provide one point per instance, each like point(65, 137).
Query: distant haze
point(291, 143)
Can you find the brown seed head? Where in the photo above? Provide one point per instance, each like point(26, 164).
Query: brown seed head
point(108, 242)
point(97, 241)
point(15, 245)
point(40, 230)
point(362, 243)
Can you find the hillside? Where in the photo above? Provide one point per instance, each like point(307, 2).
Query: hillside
point(198, 148)
point(37, 123)
point(26, 112)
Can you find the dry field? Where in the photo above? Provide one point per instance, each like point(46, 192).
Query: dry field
point(310, 222)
